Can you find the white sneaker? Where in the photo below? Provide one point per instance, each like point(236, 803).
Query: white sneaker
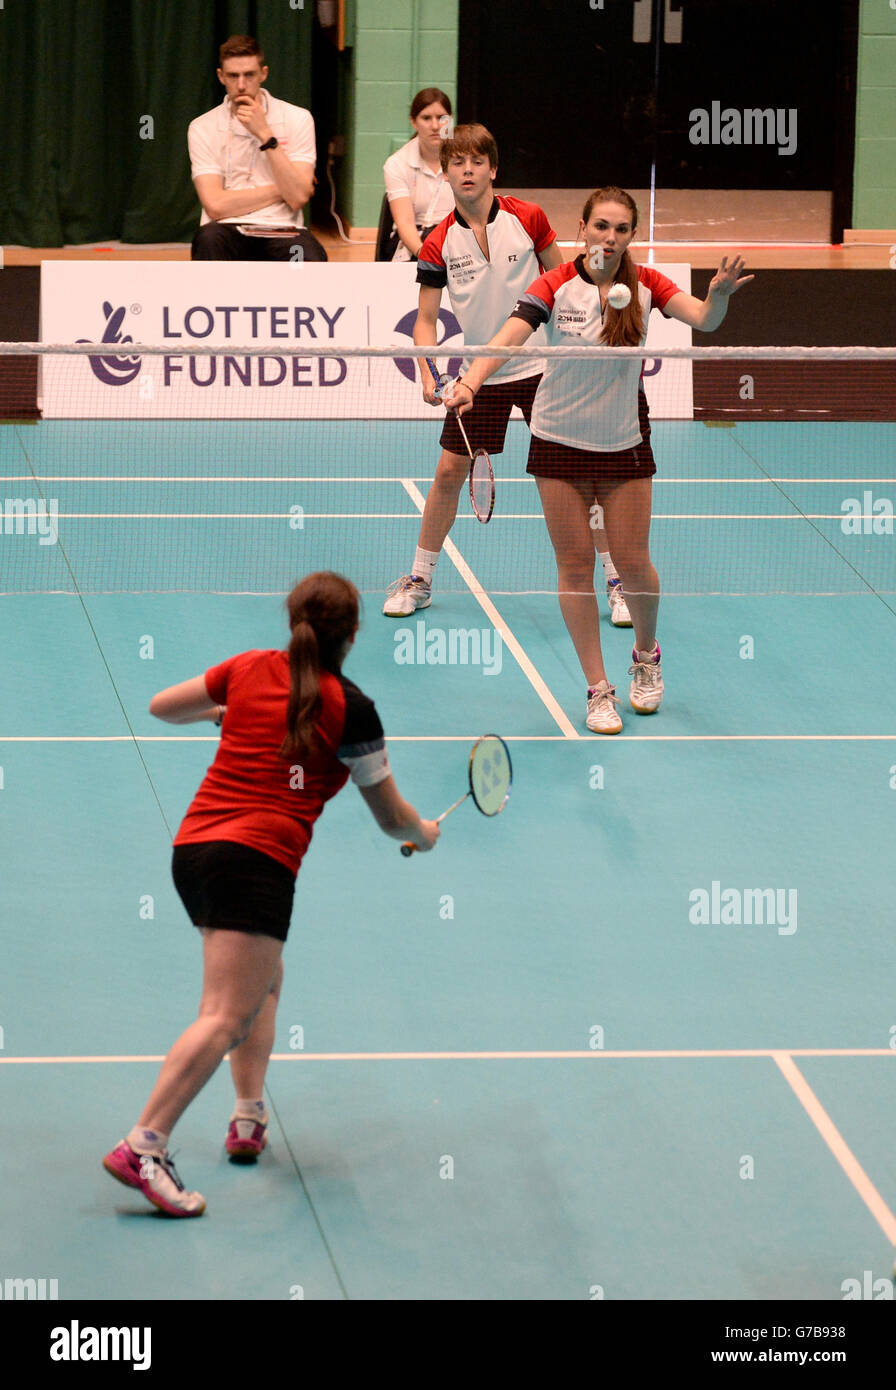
point(646, 689)
point(406, 595)
point(602, 716)
point(619, 614)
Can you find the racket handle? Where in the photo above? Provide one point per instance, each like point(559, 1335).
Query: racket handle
point(408, 848)
point(460, 426)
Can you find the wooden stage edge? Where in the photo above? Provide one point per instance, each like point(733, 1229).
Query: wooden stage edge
point(872, 250)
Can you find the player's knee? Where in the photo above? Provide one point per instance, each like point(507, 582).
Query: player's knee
point(577, 576)
point(240, 1027)
point(231, 1024)
point(452, 470)
point(633, 568)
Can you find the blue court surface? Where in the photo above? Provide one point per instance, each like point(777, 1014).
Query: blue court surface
point(633, 1039)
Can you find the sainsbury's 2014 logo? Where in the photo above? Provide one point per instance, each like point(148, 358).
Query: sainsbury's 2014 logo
point(113, 370)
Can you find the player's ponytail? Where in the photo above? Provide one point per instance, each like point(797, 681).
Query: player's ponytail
point(323, 618)
point(622, 327)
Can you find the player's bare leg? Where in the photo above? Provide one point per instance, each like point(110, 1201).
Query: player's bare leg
point(440, 509)
point(627, 510)
point(566, 511)
point(619, 613)
point(414, 590)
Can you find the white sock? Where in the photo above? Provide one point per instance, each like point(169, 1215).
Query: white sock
point(606, 560)
point(147, 1141)
point(250, 1110)
point(425, 563)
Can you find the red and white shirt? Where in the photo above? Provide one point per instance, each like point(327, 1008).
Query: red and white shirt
point(587, 405)
point(483, 291)
point(255, 797)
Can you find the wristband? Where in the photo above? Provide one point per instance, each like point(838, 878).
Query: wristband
point(220, 719)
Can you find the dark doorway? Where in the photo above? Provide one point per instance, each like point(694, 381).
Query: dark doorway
point(579, 92)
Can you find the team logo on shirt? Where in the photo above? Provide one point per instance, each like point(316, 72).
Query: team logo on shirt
point(451, 330)
point(571, 320)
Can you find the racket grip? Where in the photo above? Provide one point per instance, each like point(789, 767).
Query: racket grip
point(407, 849)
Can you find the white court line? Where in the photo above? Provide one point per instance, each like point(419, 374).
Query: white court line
point(686, 1054)
point(470, 738)
point(373, 478)
point(837, 1145)
point(406, 516)
point(494, 617)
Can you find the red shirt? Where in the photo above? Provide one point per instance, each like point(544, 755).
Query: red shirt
point(252, 795)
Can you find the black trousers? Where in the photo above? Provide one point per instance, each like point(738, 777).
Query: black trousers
point(220, 241)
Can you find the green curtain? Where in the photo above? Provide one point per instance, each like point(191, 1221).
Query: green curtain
point(99, 97)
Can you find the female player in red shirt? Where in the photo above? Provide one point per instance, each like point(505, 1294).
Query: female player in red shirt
point(591, 432)
point(292, 733)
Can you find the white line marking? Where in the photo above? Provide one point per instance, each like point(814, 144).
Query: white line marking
point(838, 1146)
point(406, 516)
point(234, 516)
point(494, 617)
point(684, 1054)
point(378, 478)
point(470, 738)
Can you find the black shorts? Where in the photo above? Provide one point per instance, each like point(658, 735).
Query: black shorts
point(486, 421)
point(231, 887)
point(548, 459)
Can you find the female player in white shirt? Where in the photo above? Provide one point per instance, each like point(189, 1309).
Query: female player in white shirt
point(591, 432)
point(418, 192)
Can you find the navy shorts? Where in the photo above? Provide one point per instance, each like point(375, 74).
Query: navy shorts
point(486, 421)
point(231, 887)
point(550, 460)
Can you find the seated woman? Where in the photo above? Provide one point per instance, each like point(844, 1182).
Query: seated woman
point(418, 193)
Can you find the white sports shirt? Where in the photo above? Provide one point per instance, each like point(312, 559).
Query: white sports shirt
point(220, 144)
point(407, 176)
point(587, 405)
point(483, 291)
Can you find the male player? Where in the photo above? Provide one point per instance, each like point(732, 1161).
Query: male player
point(487, 251)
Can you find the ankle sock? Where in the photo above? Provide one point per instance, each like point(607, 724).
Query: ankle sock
point(609, 568)
point(425, 563)
point(147, 1141)
point(250, 1110)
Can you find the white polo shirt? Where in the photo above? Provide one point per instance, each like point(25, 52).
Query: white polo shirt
point(407, 176)
point(483, 291)
point(587, 405)
point(220, 144)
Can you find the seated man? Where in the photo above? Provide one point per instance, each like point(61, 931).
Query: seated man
point(252, 162)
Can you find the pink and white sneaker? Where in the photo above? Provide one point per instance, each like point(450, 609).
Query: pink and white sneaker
point(156, 1177)
point(245, 1140)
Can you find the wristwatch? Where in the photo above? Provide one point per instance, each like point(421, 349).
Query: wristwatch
point(271, 144)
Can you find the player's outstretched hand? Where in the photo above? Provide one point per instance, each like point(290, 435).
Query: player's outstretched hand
point(729, 278)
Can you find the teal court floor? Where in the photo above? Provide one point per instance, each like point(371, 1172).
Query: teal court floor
point(553, 1059)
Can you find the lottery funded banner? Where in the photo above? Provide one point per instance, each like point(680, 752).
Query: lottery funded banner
point(232, 305)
